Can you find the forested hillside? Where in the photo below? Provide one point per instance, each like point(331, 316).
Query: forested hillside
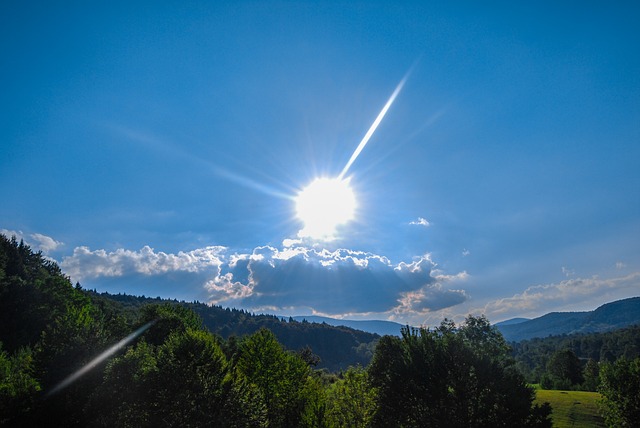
point(73, 358)
point(533, 356)
point(380, 327)
point(336, 347)
point(610, 316)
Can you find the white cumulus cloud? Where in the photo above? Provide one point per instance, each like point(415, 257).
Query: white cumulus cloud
point(36, 241)
point(421, 221)
point(85, 263)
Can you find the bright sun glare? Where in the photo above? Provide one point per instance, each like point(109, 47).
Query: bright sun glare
point(323, 205)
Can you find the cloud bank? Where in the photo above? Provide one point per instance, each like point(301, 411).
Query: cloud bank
point(86, 264)
point(294, 278)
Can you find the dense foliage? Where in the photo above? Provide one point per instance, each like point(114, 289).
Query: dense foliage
point(69, 357)
point(620, 389)
point(337, 347)
point(457, 377)
point(573, 361)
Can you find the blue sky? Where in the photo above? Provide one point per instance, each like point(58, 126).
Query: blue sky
point(157, 147)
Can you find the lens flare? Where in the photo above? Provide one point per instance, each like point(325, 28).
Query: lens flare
point(374, 125)
point(100, 358)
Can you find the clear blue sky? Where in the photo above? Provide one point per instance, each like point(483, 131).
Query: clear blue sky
point(156, 148)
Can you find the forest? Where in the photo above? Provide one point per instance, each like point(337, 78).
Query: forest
point(337, 348)
point(73, 357)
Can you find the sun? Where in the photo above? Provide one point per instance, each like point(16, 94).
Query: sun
point(324, 205)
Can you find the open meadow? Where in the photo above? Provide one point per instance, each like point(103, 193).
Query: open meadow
point(572, 408)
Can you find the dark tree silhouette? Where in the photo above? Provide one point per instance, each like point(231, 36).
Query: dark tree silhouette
point(456, 377)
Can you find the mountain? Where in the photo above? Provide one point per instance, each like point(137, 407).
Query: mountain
point(610, 316)
point(376, 327)
point(512, 321)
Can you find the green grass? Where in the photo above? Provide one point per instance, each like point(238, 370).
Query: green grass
point(572, 408)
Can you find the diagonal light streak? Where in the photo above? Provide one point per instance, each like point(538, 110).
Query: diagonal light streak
point(100, 358)
point(248, 182)
point(159, 145)
point(374, 126)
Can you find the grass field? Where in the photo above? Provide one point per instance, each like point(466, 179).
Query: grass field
point(572, 408)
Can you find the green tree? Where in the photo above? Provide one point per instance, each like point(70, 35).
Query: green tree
point(314, 414)
point(18, 387)
point(352, 400)
point(563, 370)
point(33, 292)
point(127, 397)
point(185, 381)
point(191, 369)
point(451, 377)
point(168, 319)
point(591, 375)
point(620, 389)
point(280, 376)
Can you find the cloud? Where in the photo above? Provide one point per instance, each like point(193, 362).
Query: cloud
point(430, 299)
point(331, 282)
point(293, 278)
point(85, 263)
point(577, 292)
point(45, 243)
point(291, 242)
point(36, 241)
point(421, 221)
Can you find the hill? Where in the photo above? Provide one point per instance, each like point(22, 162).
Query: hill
point(533, 355)
point(610, 316)
point(513, 321)
point(381, 328)
point(338, 347)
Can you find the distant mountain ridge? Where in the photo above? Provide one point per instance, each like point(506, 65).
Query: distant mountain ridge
point(370, 326)
point(512, 321)
point(610, 316)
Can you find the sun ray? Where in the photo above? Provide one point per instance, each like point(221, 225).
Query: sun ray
point(375, 124)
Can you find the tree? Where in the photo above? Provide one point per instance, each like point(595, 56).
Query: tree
point(190, 372)
point(314, 414)
point(167, 318)
point(591, 375)
point(279, 375)
point(450, 376)
point(185, 381)
point(620, 389)
point(127, 395)
point(352, 400)
point(307, 355)
point(563, 371)
point(18, 387)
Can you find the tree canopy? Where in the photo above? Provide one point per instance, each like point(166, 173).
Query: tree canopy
point(457, 377)
point(620, 389)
